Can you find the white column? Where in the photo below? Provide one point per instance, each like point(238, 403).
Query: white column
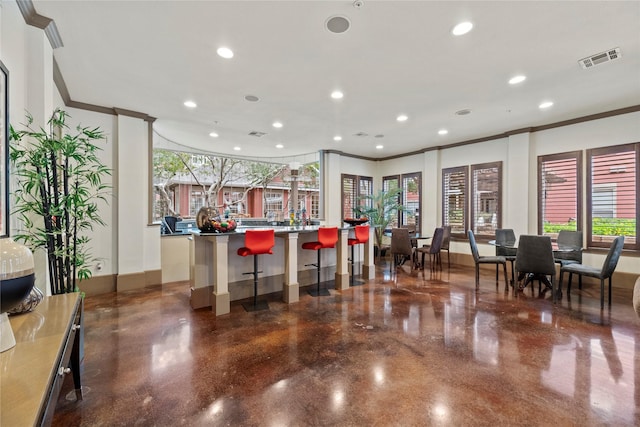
point(291, 287)
point(220, 301)
point(369, 267)
point(342, 260)
point(138, 242)
point(519, 212)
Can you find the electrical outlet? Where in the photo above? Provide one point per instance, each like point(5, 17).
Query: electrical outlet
point(99, 266)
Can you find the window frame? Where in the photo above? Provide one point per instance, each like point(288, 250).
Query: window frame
point(610, 150)
point(358, 188)
point(577, 155)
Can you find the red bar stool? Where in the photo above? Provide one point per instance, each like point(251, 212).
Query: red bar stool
point(361, 236)
point(257, 242)
point(327, 238)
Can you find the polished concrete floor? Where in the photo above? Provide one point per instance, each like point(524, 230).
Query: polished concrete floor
point(412, 349)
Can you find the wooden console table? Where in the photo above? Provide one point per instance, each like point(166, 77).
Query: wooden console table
point(32, 372)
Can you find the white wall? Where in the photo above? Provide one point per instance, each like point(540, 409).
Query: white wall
point(27, 53)
point(519, 154)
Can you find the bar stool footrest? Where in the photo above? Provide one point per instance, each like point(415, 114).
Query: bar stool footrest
point(258, 306)
point(322, 292)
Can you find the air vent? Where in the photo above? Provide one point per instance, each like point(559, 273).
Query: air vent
point(257, 134)
point(600, 58)
point(337, 24)
point(361, 134)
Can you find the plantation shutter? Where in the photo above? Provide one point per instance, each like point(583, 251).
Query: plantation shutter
point(559, 191)
point(390, 183)
point(365, 188)
point(411, 190)
point(348, 195)
point(454, 199)
point(612, 193)
point(486, 182)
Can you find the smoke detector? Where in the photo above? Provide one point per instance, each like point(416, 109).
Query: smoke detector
point(600, 58)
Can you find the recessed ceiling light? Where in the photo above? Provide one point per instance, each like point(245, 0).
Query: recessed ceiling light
point(237, 148)
point(462, 28)
point(545, 104)
point(336, 94)
point(277, 124)
point(443, 132)
point(337, 138)
point(213, 135)
point(379, 147)
point(225, 52)
point(279, 146)
point(517, 79)
point(190, 104)
point(402, 118)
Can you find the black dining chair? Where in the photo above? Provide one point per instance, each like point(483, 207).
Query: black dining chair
point(535, 262)
point(505, 246)
point(401, 248)
point(433, 249)
point(569, 247)
point(608, 267)
point(477, 259)
point(446, 240)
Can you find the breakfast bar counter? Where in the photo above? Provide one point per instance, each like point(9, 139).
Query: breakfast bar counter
point(216, 271)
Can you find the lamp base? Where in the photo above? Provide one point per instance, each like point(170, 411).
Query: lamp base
point(7, 340)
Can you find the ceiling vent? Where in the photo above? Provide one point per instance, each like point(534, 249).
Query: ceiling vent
point(600, 58)
point(257, 134)
point(337, 24)
point(361, 134)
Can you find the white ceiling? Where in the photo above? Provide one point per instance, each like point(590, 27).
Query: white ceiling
point(397, 57)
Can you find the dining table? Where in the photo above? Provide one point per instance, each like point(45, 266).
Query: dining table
point(531, 277)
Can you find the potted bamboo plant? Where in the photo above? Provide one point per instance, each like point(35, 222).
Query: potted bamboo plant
point(59, 185)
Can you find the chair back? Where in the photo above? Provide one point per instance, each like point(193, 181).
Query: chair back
point(361, 233)
point(436, 241)
point(535, 255)
point(569, 245)
point(400, 241)
point(613, 256)
point(446, 236)
point(474, 246)
point(505, 237)
point(328, 236)
point(260, 241)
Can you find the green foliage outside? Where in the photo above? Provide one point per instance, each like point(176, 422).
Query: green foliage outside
point(600, 227)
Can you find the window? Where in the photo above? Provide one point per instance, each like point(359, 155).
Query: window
point(559, 193)
point(411, 191)
point(454, 199)
point(391, 183)
point(486, 191)
point(273, 202)
point(183, 182)
point(612, 195)
point(197, 201)
point(410, 198)
point(353, 187)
